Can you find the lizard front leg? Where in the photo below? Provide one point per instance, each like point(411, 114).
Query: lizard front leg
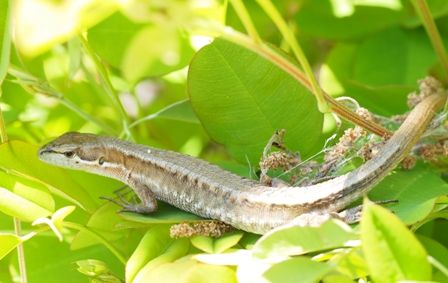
point(147, 205)
point(148, 201)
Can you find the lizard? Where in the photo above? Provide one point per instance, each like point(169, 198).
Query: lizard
point(201, 188)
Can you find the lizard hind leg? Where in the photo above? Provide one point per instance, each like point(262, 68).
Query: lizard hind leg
point(353, 215)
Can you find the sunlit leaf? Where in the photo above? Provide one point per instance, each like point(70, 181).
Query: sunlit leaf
point(188, 270)
point(210, 245)
point(416, 191)
point(35, 192)
point(40, 24)
point(153, 244)
point(116, 31)
point(8, 242)
point(297, 269)
point(297, 240)
point(392, 252)
point(19, 158)
point(97, 271)
point(23, 209)
point(5, 38)
point(170, 50)
point(59, 215)
point(349, 261)
point(173, 251)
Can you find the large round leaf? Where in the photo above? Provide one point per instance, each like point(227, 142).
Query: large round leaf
point(241, 99)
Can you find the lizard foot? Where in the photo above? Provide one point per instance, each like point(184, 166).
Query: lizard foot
point(127, 206)
point(353, 215)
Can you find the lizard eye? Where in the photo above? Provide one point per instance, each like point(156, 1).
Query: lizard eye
point(69, 154)
point(101, 160)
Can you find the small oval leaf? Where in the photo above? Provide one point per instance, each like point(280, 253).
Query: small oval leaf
point(392, 252)
point(241, 99)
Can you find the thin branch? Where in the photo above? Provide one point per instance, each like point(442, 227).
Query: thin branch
point(289, 37)
point(431, 29)
point(97, 236)
point(34, 85)
point(105, 81)
point(280, 61)
point(5, 61)
point(244, 16)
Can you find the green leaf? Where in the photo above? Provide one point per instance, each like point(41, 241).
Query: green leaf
point(337, 278)
point(153, 244)
point(173, 251)
point(5, 38)
point(300, 267)
point(438, 252)
point(8, 242)
point(410, 52)
point(392, 252)
point(210, 245)
point(241, 99)
point(20, 159)
point(364, 70)
point(414, 203)
point(170, 50)
point(320, 19)
point(188, 270)
point(117, 31)
point(106, 222)
point(296, 240)
point(97, 270)
point(337, 68)
point(349, 262)
point(59, 261)
point(17, 206)
point(140, 50)
point(165, 214)
point(35, 192)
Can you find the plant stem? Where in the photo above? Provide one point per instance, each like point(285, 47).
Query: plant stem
point(34, 85)
point(244, 16)
point(100, 238)
point(3, 135)
point(431, 29)
point(5, 61)
point(110, 90)
point(20, 251)
point(280, 61)
point(289, 37)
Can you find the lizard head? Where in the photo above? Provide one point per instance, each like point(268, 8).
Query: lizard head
point(74, 150)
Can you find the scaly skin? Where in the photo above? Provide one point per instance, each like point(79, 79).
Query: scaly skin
point(204, 189)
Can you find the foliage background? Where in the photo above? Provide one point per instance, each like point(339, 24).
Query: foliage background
point(139, 70)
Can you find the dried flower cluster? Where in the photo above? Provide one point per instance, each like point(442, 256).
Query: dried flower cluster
point(427, 86)
point(207, 228)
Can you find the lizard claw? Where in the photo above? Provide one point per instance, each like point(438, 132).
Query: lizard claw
point(136, 208)
point(127, 206)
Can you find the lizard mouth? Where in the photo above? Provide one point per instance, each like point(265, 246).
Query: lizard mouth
point(45, 150)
